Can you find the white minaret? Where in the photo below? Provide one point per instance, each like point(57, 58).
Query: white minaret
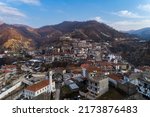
point(50, 81)
point(84, 72)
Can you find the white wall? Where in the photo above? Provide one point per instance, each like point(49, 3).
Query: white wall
point(2, 95)
point(28, 93)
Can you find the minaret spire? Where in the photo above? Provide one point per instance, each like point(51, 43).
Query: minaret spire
point(50, 81)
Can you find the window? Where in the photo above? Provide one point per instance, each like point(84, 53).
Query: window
point(96, 89)
point(95, 84)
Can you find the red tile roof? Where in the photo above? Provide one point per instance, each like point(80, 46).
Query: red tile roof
point(6, 71)
point(76, 71)
point(93, 68)
point(85, 65)
point(8, 66)
point(38, 86)
point(115, 76)
point(104, 63)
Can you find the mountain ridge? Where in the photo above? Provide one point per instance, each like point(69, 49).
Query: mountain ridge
point(143, 33)
point(45, 35)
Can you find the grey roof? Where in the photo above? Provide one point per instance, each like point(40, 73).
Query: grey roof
point(79, 79)
point(68, 82)
point(73, 86)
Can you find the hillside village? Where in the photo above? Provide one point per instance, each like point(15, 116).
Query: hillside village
point(73, 69)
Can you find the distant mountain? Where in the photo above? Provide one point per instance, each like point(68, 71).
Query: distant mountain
point(89, 30)
point(17, 37)
point(11, 38)
point(142, 33)
point(22, 36)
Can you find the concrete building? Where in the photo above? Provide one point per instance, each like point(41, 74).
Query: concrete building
point(97, 85)
point(98, 55)
point(144, 84)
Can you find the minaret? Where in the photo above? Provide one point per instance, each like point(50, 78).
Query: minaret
point(84, 72)
point(50, 81)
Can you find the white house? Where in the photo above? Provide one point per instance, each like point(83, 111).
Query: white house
point(36, 89)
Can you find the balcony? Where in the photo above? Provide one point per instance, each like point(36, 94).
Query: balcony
point(93, 91)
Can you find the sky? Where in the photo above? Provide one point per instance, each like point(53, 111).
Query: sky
point(120, 14)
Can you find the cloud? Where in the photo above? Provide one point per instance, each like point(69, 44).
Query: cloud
point(1, 3)
point(10, 14)
point(144, 7)
point(30, 2)
point(127, 14)
point(11, 11)
point(130, 25)
point(97, 18)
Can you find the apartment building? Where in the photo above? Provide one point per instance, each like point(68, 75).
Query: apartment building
point(97, 85)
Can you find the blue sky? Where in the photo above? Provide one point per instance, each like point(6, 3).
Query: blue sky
point(120, 14)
